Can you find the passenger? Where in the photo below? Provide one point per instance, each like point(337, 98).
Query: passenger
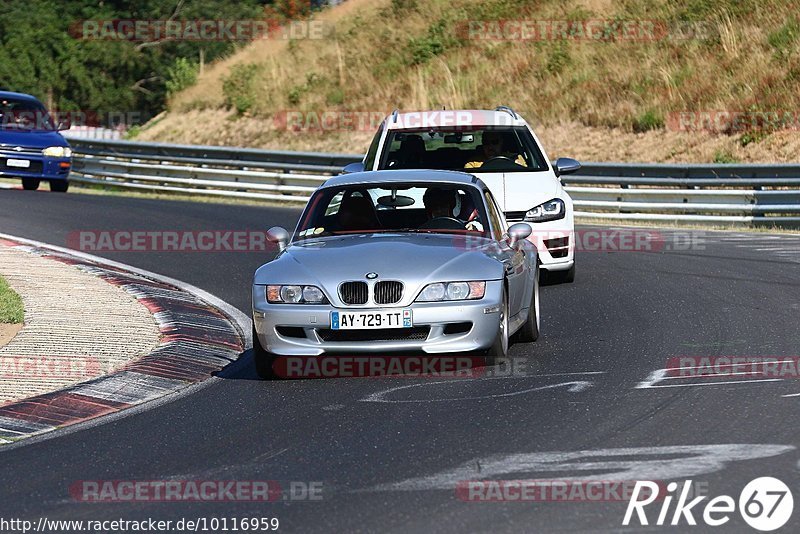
point(356, 214)
point(412, 153)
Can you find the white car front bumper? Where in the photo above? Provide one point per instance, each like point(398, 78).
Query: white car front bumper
point(555, 241)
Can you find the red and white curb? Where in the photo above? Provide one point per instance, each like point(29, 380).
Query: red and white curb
point(200, 335)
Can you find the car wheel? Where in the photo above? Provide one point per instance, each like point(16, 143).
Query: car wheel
point(529, 331)
point(30, 184)
point(59, 186)
point(562, 277)
point(499, 350)
point(263, 359)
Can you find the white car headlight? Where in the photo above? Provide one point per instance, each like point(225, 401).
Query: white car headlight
point(551, 210)
point(452, 291)
point(291, 294)
point(57, 152)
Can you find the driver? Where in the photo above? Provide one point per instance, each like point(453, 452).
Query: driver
point(439, 202)
point(440, 205)
point(492, 147)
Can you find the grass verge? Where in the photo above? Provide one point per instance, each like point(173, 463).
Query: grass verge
point(11, 309)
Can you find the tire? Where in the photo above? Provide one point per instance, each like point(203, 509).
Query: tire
point(30, 184)
point(529, 331)
point(59, 186)
point(499, 349)
point(263, 360)
point(562, 277)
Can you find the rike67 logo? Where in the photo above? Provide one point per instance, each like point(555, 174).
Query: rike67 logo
point(765, 504)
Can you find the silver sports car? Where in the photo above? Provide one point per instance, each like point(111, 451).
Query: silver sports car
point(389, 261)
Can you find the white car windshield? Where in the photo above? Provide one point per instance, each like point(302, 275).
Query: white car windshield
point(473, 150)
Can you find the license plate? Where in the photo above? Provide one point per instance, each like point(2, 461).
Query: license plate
point(21, 163)
point(370, 319)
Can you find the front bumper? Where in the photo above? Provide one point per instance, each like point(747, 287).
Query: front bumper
point(439, 327)
point(555, 242)
point(41, 167)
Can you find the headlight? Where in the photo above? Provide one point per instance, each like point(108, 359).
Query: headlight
point(452, 291)
point(57, 152)
point(295, 295)
point(549, 211)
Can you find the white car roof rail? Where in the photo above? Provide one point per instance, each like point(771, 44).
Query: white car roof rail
point(508, 110)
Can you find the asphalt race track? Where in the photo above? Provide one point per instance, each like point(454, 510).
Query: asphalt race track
point(389, 466)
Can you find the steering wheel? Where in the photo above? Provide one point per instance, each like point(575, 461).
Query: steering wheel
point(443, 223)
point(497, 162)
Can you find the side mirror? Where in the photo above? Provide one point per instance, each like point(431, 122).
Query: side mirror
point(279, 236)
point(358, 166)
point(518, 232)
point(566, 166)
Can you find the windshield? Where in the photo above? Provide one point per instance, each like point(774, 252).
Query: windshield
point(396, 208)
point(472, 150)
point(19, 114)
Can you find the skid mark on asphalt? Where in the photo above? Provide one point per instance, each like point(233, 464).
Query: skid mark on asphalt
point(572, 386)
point(688, 376)
point(609, 465)
point(785, 247)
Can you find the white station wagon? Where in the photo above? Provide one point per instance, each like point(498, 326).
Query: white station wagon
point(502, 150)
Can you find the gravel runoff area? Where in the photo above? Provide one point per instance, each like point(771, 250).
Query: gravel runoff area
point(77, 326)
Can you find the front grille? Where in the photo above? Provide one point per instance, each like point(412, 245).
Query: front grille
point(354, 292)
point(388, 292)
point(384, 334)
point(11, 151)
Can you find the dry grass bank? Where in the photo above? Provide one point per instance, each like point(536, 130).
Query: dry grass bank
point(606, 99)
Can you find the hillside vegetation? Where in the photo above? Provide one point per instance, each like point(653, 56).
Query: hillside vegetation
point(603, 99)
point(46, 50)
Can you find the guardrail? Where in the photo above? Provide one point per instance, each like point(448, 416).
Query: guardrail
point(758, 194)
point(204, 170)
point(739, 194)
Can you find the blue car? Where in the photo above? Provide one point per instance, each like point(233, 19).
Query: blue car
point(31, 148)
